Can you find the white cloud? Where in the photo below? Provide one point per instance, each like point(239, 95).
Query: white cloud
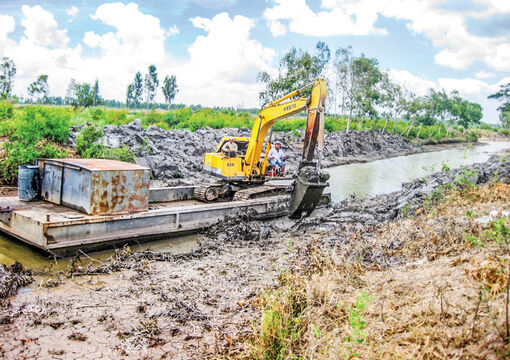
point(224, 63)
point(41, 27)
point(7, 26)
point(447, 30)
point(215, 4)
point(466, 86)
point(174, 30)
point(412, 82)
point(483, 75)
point(72, 12)
point(339, 18)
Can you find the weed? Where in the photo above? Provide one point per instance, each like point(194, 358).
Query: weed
point(357, 322)
point(445, 167)
point(466, 178)
point(471, 213)
point(475, 241)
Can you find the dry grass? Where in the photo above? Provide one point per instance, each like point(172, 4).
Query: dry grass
point(445, 300)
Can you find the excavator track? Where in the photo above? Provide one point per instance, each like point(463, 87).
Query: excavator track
point(260, 191)
point(209, 192)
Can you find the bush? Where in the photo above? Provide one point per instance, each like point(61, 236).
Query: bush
point(472, 136)
point(18, 153)
point(86, 142)
point(38, 122)
point(504, 132)
point(122, 154)
point(88, 145)
point(6, 110)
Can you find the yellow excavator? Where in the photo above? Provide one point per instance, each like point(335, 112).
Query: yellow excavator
point(243, 176)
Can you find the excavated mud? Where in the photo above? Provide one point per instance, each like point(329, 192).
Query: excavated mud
point(11, 279)
point(176, 156)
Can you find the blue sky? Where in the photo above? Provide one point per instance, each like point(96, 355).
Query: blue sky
point(216, 47)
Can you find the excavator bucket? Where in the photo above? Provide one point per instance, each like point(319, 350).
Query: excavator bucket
point(308, 187)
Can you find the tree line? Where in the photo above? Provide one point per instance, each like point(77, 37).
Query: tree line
point(85, 94)
point(359, 89)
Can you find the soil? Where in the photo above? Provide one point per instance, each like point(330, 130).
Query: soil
point(200, 304)
point(175, 157)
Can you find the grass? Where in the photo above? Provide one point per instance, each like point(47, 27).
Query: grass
point(446, 299)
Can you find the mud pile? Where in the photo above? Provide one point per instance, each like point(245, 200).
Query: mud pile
point(11, 278)
point(176, 156)
point(365, 143)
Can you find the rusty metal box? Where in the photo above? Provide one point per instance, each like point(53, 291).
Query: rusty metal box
point(95, 186)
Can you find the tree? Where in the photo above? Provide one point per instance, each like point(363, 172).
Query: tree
point(465, 112)
point(137, 88)
point(297, 69)
point(130, 94)
point(391, 99)
point(151, 84)
point(39, 89)
point(358, 81)
point(84, 95)
point(97, 100)
point(7, 73)
point(367, 77)
point(70, 98)
point(170, 89)
point(504, 116)
point(503, 95)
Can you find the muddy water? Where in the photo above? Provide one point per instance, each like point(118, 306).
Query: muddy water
point(12, 250)
point(366, 179)
point(387, 175)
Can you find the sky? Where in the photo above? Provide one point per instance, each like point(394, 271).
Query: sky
point(217, 47)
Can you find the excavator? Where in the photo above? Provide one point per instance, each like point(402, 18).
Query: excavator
point(243, 176)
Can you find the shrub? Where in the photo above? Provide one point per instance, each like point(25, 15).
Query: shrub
point(38, 122)
point(88, 145)
point(504, 132)
point(122, 154)
point(19, 153)
point(86, 142)
point(472, 136)
point(6, 110)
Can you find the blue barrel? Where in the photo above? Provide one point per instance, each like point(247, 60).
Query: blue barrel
point(28, 182)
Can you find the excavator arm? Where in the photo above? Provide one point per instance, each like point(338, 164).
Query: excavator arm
point(280, 109)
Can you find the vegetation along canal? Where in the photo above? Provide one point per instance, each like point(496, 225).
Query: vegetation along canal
point(361, 179)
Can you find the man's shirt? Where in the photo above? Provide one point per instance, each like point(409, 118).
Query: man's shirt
point(229, 146)
point(278, 154)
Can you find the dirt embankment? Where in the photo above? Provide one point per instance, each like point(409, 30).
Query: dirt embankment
point(176, 156)
point(201, 304)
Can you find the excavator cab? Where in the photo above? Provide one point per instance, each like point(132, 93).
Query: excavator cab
point(225, 167)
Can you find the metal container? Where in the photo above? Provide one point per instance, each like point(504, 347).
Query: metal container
point(95, 186)
point(28, 182)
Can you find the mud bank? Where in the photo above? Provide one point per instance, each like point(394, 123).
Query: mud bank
point(176, 156)
point(200, 304)
point(413, 194)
